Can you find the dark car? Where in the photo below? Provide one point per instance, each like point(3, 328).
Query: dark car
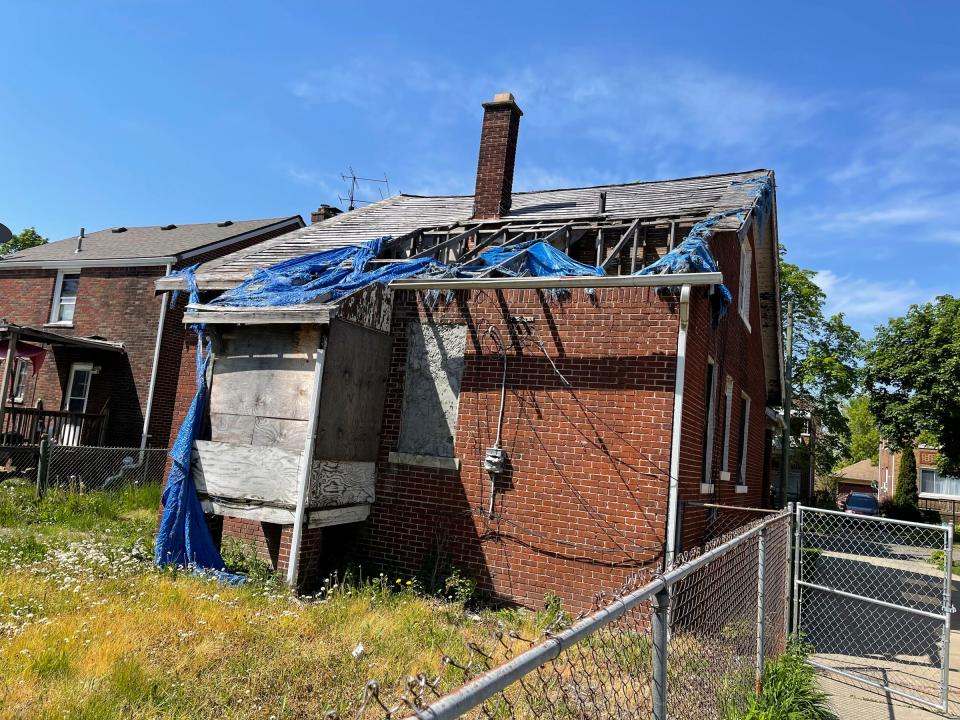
point(861, 503)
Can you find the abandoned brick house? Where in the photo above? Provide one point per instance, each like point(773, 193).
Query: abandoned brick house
point(520, 426)
point(90, 353)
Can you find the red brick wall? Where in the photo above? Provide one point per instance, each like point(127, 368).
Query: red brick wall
point(737, 352)
point(585, 501)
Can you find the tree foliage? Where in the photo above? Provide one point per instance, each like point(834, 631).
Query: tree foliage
point(864, 433)
point(26, 238)
point(826, 352)
point(906, 494)
point(913, 378)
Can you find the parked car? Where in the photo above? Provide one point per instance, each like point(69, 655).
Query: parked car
point(861, 503)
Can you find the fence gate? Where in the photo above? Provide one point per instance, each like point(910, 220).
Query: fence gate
point(873, 601)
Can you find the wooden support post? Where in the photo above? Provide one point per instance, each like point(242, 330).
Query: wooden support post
point(599, 246)
point(673, 236)
point(8, 364)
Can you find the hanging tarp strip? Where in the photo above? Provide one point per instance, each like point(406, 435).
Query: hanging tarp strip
point(183, 539)
point(537, 258)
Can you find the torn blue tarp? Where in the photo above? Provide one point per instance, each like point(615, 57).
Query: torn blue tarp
point(183, 539)
point(693, 254)
point(534, 257)
point(327, 275)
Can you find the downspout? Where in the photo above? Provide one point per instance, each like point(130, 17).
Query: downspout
point(673, 501)
point(164, 300)
point(306, 462)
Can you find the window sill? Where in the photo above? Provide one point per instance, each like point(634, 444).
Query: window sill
point(706, 488)
point(746, 323)
point(724, 476)
point(58, 325)
point(430, 461)
point(742, 489)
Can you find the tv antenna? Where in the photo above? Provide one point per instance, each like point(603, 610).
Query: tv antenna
point(355, 181)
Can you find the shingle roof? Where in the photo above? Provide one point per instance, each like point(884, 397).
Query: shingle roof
point(140, 242)
point(864, 471)
point(402, 214)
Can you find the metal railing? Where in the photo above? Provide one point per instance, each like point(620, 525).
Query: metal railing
point(27, 426)
point(691, 643)
point(872, 603)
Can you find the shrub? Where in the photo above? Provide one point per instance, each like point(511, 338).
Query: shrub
point(906, 494)
point(789, 692)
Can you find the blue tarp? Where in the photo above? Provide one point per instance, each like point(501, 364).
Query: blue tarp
point(537, 258)
point(183, 538)
point(331, 273)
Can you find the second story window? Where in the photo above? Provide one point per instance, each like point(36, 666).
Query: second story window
point(743, 441)
point(65, 298)
point(21, 377)
point(746, 280)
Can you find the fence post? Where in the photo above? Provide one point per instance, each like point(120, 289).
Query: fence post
point(661, 607)
point(947, 612)
point(761, 604)
point(789, 589)
point(797, 561)
point(43, 466)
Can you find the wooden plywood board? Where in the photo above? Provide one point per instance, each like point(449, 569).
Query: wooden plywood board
point(265, 373)
point(230, 428)
point(334, 483)
point(371, 307)
point(338, 516)
point(280, 516)
point(250, 474)
point(352, 396)
point(278, 432)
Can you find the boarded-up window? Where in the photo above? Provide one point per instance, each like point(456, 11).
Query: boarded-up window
point(431, 392)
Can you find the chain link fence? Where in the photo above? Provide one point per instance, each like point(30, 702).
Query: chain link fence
point(690, 643)
point(18, 461)
point(80, 468)
point(873, 601)
point(703, 522)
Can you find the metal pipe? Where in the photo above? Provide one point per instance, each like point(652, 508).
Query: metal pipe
point(490, 683)
point(872, 683)
point(871, 519)
point(589, 281)
point(797, 560)
point(673, 501)
point(164, 300)
point(870, 600)
point(303, 476)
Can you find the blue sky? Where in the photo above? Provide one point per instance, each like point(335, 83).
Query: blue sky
point(140, 112)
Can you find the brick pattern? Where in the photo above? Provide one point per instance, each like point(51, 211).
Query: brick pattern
point(272, 543)
point(498, 152)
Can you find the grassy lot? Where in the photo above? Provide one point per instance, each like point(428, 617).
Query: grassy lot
point(89, 629)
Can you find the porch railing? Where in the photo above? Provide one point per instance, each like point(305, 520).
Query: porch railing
point(25, 426)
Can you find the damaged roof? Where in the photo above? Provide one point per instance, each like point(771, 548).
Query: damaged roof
point(154, 241)
point(401, 215)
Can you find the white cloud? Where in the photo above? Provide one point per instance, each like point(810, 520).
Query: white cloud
point(869, 302)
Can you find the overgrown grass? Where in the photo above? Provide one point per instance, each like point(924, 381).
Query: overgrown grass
point(89, 629)
point(789, 692)
point(938, 559)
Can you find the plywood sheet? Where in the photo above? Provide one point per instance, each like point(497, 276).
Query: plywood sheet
point(265, 475)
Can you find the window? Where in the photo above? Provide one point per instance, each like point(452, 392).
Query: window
point(931, 483)
point(707, 466)
point(742, 442)
point(78, 388)
point(746, 279)
point(21, 378)
point(65, 298)
point(431, 393)
point(727, 413)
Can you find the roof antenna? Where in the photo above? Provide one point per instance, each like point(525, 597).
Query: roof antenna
point(80, 240)
point(355, 185)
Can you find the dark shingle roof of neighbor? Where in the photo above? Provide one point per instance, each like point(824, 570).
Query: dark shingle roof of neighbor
point(401, 214)
point(141, 242)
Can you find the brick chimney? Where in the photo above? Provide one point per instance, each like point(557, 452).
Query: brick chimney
point(324, 212)
point(498, 151)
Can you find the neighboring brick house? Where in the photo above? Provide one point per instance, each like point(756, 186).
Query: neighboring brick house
point(934, 488)
point(111, 345)
point(391, 458)
point(861, 476)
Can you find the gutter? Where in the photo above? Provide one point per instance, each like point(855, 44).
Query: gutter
point(673, 498)
point(591, 281)
point(153, 373)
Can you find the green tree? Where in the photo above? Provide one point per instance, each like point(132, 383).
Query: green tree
point(906, 494)
point(913, 378)
point(864, 433)
point(826, 355)
point(26, 238)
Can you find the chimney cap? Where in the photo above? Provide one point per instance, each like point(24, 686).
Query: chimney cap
point(503, 100)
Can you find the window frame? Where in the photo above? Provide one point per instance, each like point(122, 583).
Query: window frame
point(937, 479)
point(706, 465)
point(727, 423)
point(745, 290)
point(57, 304)
point(68, 395)
point(22, 367)
point(743, 447)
